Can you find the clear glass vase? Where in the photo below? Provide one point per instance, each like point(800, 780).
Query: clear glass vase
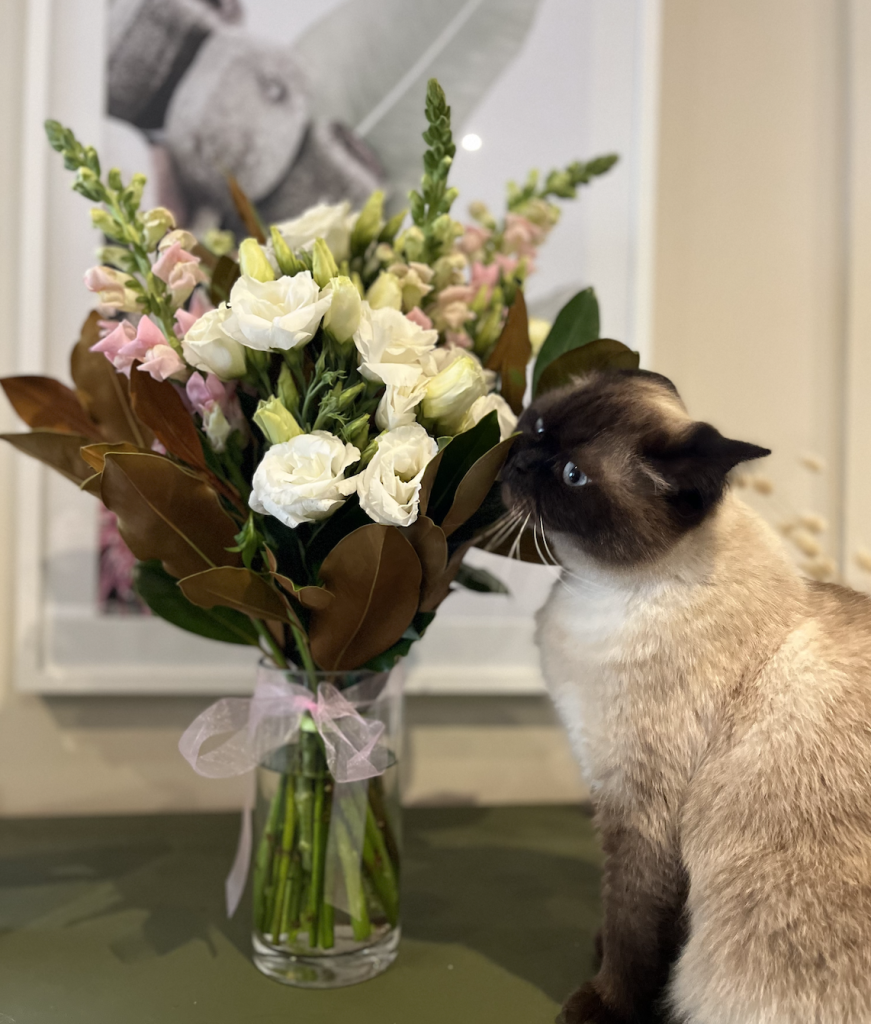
point(326, 853)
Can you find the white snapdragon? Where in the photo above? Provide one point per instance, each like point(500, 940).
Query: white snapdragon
point(392, 347)
point(487, 404)
point(281, 314)
point(303, 479)
point(209, 348)
point(332, 223)
point(389, 487)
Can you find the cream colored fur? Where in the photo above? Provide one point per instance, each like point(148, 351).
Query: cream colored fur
point(720, 706)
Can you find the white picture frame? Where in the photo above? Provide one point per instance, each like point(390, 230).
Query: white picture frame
point(478, 643)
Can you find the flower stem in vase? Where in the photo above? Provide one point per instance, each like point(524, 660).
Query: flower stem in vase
point(264, 882)
point(281, 888)
point(376, 801)
point(380, 869)
point(350, 860)
point(319, 847)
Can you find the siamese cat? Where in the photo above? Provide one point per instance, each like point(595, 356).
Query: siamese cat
point(720, 706)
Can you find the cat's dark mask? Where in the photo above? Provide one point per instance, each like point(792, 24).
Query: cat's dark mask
point(615, 462)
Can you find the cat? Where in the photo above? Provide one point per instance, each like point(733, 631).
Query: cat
point(720, 706)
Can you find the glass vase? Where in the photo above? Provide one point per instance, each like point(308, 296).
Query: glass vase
point(326, 853)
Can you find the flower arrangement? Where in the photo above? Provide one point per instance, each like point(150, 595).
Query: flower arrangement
point(301, 444)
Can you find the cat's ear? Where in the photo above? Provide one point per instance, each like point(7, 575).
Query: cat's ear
point(694, 468)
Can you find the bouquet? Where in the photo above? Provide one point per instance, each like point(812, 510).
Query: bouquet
point(301, 442)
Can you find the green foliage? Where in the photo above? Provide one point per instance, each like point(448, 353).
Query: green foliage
point(457, 459)
point(161, 593)
point(563, 183)
point(577, 324)
point(430, 208)
point(472, 577)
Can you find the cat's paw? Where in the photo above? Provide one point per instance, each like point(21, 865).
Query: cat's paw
point(586, 1007)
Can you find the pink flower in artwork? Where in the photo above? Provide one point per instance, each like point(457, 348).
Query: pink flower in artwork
point(180, 270)
point(417, 316)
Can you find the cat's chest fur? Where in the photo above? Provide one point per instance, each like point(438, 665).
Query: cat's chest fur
point(604, 650)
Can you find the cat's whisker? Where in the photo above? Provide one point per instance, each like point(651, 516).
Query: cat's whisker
point(514, 551)
point(547, 547)
point(500, 530)
point(539, 552)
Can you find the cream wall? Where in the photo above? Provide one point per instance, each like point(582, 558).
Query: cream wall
point(749, 321)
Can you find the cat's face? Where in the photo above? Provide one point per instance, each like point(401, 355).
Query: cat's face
point(615, 463)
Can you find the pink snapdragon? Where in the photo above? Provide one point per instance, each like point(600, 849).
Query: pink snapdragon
point(217, 404)
point(484, 275)
point(474, 239)
point(124, 345)
point(110, 345)
point(521, 236)
point(162, 362)
point(180, 271)
point(113, 288)
point(417, 316)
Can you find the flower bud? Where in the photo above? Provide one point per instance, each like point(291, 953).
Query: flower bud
point(288, 264)
point(386, 291)
point(324, 267)
point(185, 239)
point(133, 192)
point(343, 316)
point(287, 389)
point(538, 332)
point(451, 393)
point(155, 224)
point(221, 243)
point(347, 397)
point(357, 431)
point(275, 421)
point(105, 222)
point(368, 223)
point(411, 242)
point(253, 261)
point(115, 256)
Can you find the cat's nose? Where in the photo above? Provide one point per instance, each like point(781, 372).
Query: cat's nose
point(525, 460)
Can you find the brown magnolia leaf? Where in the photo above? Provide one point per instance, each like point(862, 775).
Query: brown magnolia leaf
point(245, 208)
point(206, 256)
point(46, 404)
point(309, 597)
point(427, 481)
point(442, 586)
point(93, 485)
point(234, 587)
point(166, 512)
point(374, 576)
point(225, 274)
point(431, 548)
point(159, 406)
point(512, 353)
point(476, 485)
point(602, 354)
point(59, 450)
point(95, 454)
point(103, 392)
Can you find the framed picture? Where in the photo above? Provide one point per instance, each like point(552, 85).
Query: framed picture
point(304, 102)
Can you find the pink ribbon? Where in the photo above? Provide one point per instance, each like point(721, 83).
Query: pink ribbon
point(271, 719)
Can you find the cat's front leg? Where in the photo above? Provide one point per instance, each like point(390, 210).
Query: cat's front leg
point(643, 893)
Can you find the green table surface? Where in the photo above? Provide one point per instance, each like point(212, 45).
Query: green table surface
point(120, 921)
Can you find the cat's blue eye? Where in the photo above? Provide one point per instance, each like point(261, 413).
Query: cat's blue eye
point(573, 476)
point(538, 429)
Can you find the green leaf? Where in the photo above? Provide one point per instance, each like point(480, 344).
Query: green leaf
point(601, 354)
point(457, 459)
point(474, 578)
point(577, 324)
point(161, 593)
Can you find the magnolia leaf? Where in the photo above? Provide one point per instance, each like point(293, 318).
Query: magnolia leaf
point(428, 479)
point(164, 597)
point(576, 324)
point(46, 404)
point(431, 547)
point(95, 454)
point(384, 662)
point(238, 588)
point(308, 597)
point(512, 353)
point(246, 210)
point(160, 407)
point(374, 576)
point(476, 484)
point(602, 354)
point(104, 392)
point(166, 512)
point(456, 460)
point(224, 276)
point(442, 586)
point(59, 450)
point(473, 577)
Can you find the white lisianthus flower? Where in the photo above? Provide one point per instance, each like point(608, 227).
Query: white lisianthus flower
point(208, 347)
point(332, 223)
point(487, 404)
point(398, 406)
point(392, 347)
point(389, 487)
point(451, 393)
point(280, 314)
point(303, 480)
